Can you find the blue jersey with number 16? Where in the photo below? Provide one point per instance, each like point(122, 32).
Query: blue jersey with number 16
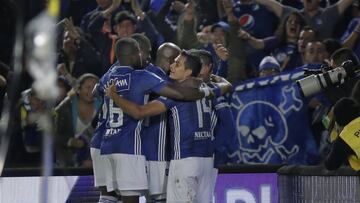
point(102, 116)
point(122, 133)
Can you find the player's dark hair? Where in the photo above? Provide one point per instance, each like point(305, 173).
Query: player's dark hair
point(144, 42)
point(205, 56)
point(127, 51)
point(192, 62)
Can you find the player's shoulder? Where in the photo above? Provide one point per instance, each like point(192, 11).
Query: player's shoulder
point(121, 69)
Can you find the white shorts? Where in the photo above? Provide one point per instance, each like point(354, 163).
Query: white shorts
point(157, 174)
point(214, 177)
point(126, 173)
point(98, 167)
point(190, 180)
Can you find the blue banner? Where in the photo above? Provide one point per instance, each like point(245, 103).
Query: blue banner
point(272, 121)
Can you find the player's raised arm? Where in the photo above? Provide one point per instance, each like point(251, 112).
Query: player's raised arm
point(132, 109)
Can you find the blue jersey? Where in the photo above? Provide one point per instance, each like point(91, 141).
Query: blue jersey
point(190, 128)
point(257, 21)
point(350, 29)
point(224, 131)
point(154, 135)
point(122, 131)
point(102, 115)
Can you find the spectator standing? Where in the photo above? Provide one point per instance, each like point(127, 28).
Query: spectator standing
point(315, 16)
point(283, 45)
point(73, 128)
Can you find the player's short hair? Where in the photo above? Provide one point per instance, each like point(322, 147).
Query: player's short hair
point(125, 49)
point(144, 42)
point(192, 62)
point(205, 56)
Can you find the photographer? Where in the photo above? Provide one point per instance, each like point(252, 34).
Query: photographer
point(347, 144)
point(335, 93)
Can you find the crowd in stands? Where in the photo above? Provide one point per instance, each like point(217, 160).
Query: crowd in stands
point(246, 39)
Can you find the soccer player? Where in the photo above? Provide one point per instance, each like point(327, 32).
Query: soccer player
point(97, 160)
point(155, 137)
point(121, 144)
point(222, 122)
point(191, 162)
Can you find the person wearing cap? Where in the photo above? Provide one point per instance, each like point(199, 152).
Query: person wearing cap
point(113, 24)
point(258, 21)
point(347, 145)
point(268, 66)
point(222, 42)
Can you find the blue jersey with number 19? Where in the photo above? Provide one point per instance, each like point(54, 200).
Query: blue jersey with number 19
point(122, 131)
point(190, 128)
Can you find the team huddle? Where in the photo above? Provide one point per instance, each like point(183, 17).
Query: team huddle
point(156, 130)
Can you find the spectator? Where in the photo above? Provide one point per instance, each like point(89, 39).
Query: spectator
point(258, 21)
point(283, 45)
point(306, 34)
point(76, 10)
point(124, 25)
point(268, 66)
point(64, 88)
point(350, 38)
point(77, 56)
point(315, 52)
point(221, 35)
point(73, 128)
point(88, 18)
point(97, 24)
point(315, 16)
point(165, 17)
point(30, 109)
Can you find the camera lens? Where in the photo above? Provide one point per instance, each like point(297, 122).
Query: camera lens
point(309, 85)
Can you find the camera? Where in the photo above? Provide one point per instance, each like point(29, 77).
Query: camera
point(315, 83)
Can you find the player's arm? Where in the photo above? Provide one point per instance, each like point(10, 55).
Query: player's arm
point(180, 92)
point(224, 85)
point(132, 109)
